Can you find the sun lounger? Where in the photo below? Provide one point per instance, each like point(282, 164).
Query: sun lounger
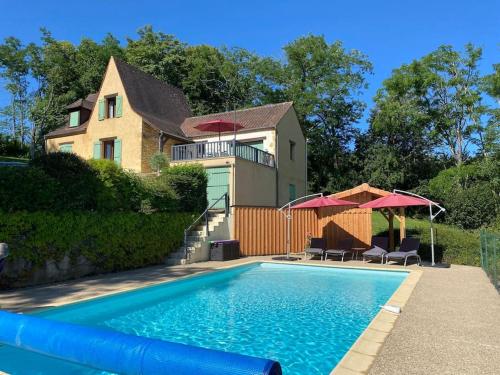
point(378, 250)
point(408, 249)
point(344, 248)
point(317, 247)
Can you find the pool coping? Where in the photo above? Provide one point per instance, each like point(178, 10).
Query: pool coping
point(360, 356)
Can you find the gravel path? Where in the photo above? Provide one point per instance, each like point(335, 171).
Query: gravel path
point(451, 325)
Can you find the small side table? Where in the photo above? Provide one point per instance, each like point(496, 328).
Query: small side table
point(357, 250)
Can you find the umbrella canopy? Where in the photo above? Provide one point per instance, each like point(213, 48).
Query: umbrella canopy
point(324, 202)
point(394, 200)
point(219, 126)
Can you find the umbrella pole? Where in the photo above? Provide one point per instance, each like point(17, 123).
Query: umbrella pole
point(432, 235)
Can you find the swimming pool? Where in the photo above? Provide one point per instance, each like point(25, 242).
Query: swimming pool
point(305, 317)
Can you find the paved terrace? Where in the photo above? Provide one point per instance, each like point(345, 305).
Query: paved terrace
point(448, 326)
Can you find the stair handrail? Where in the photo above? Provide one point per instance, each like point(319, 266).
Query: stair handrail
point(205, 215)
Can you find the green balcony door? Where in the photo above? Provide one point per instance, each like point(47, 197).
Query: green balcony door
point(218, 184)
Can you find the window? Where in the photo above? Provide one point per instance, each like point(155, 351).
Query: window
point(291, 192)
point(292, 150)
point(74, 118)
point(111, 107)
point(66, 147)
point(108, 149)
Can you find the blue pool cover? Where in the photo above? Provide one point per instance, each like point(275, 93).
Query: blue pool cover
point(122, 353)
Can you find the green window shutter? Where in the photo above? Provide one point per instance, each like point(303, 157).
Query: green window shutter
point(118, 151)
point(66, 148)
point(74, 118)
point(97, 150)
point(119, 106)
point(257, 144)
point(291, 192)
point(101, 109)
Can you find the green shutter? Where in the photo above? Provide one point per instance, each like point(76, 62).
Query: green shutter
point(118, 151)
point(119, 106)
point(74, 118)
point(68, 147)
point(257, 144)
point(291, 192)
point(97, 150)
point(101, 109)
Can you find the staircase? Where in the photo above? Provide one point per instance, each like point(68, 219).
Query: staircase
point(211, 225)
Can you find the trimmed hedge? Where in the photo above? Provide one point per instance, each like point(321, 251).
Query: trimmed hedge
point(452, 244)
point(109, 241)
point(190, 184)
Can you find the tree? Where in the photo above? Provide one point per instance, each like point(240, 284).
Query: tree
point(159, 54)
point(324, 81)
point(490, 140)
point(14, 68)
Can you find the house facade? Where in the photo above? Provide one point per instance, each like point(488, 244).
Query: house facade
point(134, 115)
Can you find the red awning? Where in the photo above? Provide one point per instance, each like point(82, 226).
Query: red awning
point(324, 202)
point(395, 200)
point(219, 126)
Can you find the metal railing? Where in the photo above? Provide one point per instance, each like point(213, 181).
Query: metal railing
point(205, 215)
point(209, 150)
point(490, 256)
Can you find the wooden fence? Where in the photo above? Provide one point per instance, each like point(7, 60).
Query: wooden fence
point(262, 230)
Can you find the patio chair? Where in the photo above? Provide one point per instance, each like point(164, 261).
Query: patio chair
point(317, 247)
point(344, 248)
point(378, 249)
point(408, 249)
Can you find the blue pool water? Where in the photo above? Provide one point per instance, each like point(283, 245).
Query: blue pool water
point(305, 317)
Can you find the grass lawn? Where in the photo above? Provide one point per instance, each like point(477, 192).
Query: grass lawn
point(13, 159)
point(452, 244)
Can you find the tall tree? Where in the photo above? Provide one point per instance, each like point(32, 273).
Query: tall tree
point(325, 82)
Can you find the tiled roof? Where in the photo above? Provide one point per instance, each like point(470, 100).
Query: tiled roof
point(263, 117)
point(160, 104)
point(67, 130)
point(87, 103)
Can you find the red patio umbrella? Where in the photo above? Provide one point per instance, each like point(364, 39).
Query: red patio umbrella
point(408, 199)
point(317, 202)
point(323, 202)
point(219, 126)
point(394, 200)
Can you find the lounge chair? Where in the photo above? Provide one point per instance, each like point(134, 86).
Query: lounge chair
point(317, 247)
point(344, 248)
point(408, 249)
point(378, 249)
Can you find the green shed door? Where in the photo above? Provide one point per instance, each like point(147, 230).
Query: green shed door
point(218, 184)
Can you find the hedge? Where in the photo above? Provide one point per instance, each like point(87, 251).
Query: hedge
point(110, 241)
point(452, 244)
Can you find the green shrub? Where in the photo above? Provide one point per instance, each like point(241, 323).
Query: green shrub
point(190, 184)
point(28, 189)
point(452, 244)
point(158, 161)
point(469, 192)
point(79, 181)
point(110, 241)
point(12, 147)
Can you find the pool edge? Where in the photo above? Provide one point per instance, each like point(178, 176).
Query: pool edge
point(361, 355)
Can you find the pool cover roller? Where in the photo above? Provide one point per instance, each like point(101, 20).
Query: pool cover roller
point(122, 353)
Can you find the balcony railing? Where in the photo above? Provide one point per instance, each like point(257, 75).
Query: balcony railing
point(210, 150)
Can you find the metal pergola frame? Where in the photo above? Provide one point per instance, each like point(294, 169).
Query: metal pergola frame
point(286, 210)
point(432, 216)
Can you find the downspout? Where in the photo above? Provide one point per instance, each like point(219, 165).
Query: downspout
point(160, 137)
point(276, 153)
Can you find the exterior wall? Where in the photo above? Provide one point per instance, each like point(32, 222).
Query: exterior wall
point(250, 184)
point(255, 184)
point(268, 136)
point(128, 127)
point(150, 146)
point(290, 171)
point(78, 141)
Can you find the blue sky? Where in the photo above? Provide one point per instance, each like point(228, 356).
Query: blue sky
point(390, 32)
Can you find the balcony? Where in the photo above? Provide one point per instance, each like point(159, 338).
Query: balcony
point(220, 149)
